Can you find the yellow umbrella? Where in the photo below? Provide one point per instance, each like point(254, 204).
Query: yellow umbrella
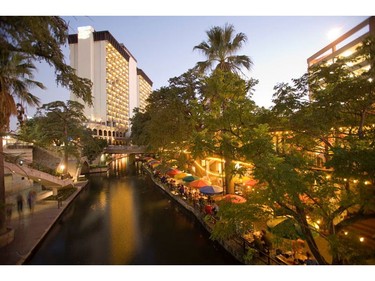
point(181, 175)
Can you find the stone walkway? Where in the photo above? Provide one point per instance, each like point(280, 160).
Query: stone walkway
point(30, 228)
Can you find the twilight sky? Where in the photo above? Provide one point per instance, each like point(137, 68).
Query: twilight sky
point(163, 45)
point(162, 42)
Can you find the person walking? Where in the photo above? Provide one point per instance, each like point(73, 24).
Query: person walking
point(31, 200)
point(9, 210)
point(20, 204)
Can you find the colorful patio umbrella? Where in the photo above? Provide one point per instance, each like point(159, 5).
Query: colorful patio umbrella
point(211, 189)
point(190, 178)
point(172, 172)
point(251, 182)
point(199, 183)
point(234, 198)
point(155, 164)
point(180, 176)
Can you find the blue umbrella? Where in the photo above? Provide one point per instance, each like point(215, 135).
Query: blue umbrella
point(211, 189)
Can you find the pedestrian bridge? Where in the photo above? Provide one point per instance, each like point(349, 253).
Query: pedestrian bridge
point(38, 176)
point(125, 149)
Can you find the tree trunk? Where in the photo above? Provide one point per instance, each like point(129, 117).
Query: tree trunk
point(309, 237)
point(361, 125)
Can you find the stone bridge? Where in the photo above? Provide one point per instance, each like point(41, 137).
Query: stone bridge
point(124, 149)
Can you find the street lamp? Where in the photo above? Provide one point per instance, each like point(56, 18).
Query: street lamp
point(62, 168)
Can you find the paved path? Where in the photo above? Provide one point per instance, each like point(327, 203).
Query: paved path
point(30, 228)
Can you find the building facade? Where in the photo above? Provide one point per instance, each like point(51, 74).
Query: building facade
point(118, 85)
point(345, 45)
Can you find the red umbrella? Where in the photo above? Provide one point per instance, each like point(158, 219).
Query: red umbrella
point(251, 182)
point(199, 183)
point(234, 198)
point(171, 172)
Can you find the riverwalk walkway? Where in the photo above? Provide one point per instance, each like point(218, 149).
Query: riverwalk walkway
point(30, 228)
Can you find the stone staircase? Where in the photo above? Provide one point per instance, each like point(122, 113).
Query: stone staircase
point(39, 176)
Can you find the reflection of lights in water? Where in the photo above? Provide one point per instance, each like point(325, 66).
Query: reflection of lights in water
point(102, 199)
point(123, 231)
point(102, 202)
point(119, 165)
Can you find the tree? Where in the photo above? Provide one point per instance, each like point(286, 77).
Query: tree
point(29, 39)
point(223, 88)
point(139, 135)
point(220, 49)
point(91, 147)
point(226, 115)
point(58, 124)
point(337, 123)
point(328, 112)
point(16, 79)
point(40, 39)
point(170, 118)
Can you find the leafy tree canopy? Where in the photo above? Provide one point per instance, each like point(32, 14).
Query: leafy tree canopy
point(40, 39)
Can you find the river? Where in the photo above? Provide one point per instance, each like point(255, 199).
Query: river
point(122, 219)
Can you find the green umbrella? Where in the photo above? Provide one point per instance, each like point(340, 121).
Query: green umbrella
point(190, 178)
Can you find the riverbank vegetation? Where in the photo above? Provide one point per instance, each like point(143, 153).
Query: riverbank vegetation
point(311, 153)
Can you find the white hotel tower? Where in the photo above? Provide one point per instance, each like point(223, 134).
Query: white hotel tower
point(118, 85)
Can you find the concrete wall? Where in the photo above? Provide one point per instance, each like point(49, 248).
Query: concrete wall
point(46, 158)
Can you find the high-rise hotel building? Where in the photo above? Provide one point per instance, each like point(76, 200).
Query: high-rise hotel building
point(118, 85)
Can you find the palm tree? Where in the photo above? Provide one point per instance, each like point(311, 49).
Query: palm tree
point(16, 74)
point(221, 48)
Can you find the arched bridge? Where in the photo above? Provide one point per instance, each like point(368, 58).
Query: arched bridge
point(124, 149)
